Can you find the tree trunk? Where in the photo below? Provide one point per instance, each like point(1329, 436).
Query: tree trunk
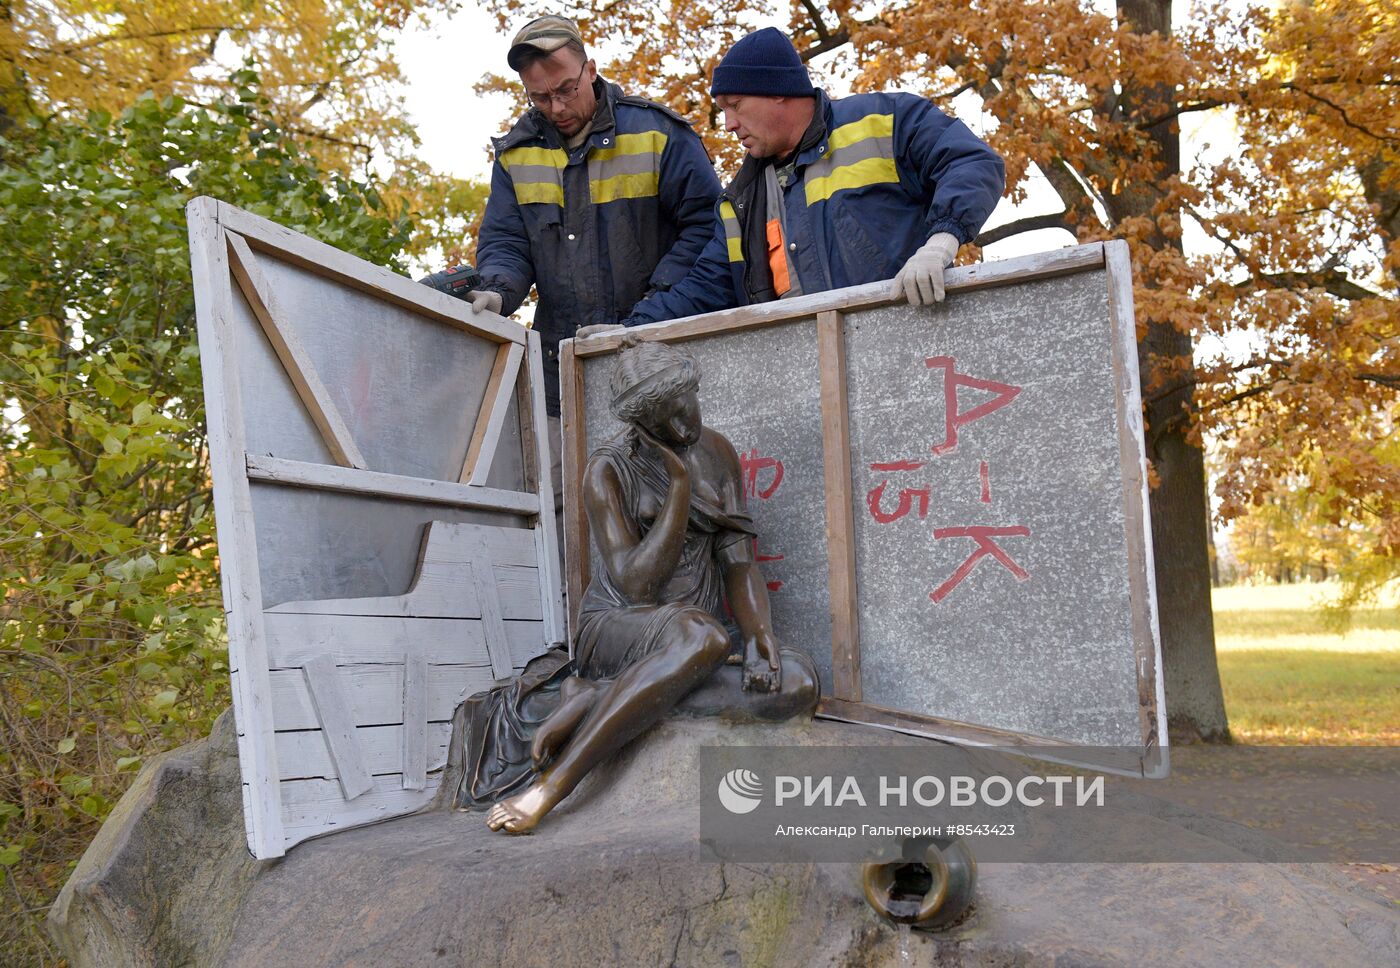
point(1180, 523)
point(1212, 553)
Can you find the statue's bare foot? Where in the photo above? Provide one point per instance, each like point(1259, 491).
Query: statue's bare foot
point(519, 814)
point(578, 697)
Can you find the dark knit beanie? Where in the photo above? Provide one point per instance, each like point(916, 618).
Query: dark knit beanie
point(763, 63)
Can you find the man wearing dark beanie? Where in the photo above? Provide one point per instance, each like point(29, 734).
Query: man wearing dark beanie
point(833, 193)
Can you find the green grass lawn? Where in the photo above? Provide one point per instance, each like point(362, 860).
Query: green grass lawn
point(1289, 680)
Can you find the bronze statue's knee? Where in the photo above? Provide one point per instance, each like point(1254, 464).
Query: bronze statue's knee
point(702, 637)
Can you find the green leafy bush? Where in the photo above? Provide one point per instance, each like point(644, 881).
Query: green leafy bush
point(111, 628)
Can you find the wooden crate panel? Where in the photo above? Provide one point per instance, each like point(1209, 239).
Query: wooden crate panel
point(375, 693)
point(292, 639)
point(304, 755)
point(374, 448)
point(313, 807)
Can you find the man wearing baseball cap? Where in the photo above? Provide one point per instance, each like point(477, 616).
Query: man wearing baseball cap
point(597, 199)
point(833, 193)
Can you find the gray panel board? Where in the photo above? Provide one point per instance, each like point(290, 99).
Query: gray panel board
point(1050, 655)
point(761, 389)
point(409, 391)
point(322, 544)
point(274, 419)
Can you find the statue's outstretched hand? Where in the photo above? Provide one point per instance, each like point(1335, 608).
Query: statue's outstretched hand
point(763, 667)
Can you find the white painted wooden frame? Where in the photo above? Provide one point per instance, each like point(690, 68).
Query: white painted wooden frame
point(225, 247)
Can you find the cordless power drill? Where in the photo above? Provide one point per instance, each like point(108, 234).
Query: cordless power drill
point(457, 281)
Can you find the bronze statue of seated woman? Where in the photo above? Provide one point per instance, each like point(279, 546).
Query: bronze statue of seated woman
point(665, 506)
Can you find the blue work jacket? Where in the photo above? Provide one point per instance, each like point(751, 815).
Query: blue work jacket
point(595, 228)
point(889, 172)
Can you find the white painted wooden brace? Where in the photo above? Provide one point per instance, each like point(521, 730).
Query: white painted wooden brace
point(337, 727)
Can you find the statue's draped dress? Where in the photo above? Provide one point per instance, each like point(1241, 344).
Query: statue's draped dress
point(489, 757)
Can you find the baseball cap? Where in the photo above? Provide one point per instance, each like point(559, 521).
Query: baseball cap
point(545, 34)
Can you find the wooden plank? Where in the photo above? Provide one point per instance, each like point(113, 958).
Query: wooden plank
point(840, 526)
point(302, 754)
point(314, 807)
point(551, 582)
point(415, 723)
point(493, 627)
point(293, 356)
point(529, 450)
point(481, 451)
point(1126, 761)
point(437, 598)
point(337, 726)
point(292, 640)
point(1123, 760)
point(331, 263)
point(375, 693)
point(233, 516)
point(1041, 265)
point(575, 446)
point(1133, 457)
point(296, 473)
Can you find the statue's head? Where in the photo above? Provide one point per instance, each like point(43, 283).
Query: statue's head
point(655, 386)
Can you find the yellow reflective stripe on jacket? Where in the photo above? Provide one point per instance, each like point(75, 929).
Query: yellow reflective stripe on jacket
point(538, 174)
point(549, 157)
point(641, 143)
point(629, 169)
point(860, 153)
point(536, 193)
point(731, 231)
point(870, 126)
point(640, 185)
point(871, 171)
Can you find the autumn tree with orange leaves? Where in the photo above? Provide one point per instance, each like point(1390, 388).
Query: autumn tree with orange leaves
point(327, 72)
point(1279, 336)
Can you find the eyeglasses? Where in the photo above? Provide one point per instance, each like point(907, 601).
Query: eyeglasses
point(564, 95)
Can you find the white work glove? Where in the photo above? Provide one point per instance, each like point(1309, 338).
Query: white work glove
point(596, 329)
point(921, 279)
point(482, 299)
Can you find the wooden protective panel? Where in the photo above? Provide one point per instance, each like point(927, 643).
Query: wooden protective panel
point(1086, 677)
point(1152, 702)
point(375, 693)
point(363, 604)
